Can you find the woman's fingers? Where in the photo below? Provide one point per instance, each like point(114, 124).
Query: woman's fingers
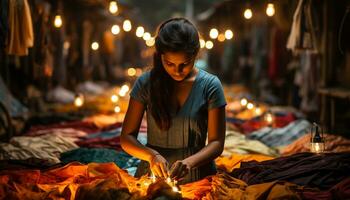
point(164, 170)
point(175, 170)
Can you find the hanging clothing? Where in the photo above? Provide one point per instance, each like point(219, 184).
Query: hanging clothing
point(302, 35)
point(21, 35)
point(188, 132)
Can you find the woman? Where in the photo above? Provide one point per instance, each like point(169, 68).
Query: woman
point(184, 105)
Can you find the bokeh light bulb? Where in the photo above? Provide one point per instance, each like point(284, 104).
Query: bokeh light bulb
point(113, 7)
point(228, 34)
point(146, 36)
point(115, 29)
point(95, 46)
point(140, 31)
point(114, 98)
point(213, 33)
point(131, 71)
point(244, 102)
point(248, 13)
point(209, 44)
point(127, 25)
point(58, 21)
point(270, 10)
point(116, 109)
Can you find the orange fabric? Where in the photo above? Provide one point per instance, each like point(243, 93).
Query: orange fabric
point(234, 161)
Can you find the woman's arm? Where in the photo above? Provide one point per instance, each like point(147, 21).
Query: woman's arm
point(132, 146)
point(214, 148)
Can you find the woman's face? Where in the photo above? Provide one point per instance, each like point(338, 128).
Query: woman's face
point(177, 64)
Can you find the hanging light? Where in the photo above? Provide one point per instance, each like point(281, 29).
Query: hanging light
point(115, 29)
point(95, 46)
point(270, 9)
point(146, 36)
point(209, 44)
point(248, 13)
point(127, 25)
point(228, 34)
point(140, 31)
point(213, 33)
point(202, 43)
point(58, 21)
point(113, 7)
point(150, 42)
point(221, 37)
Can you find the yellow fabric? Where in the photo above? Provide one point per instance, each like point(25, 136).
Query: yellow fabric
point(21, 35)
point(234, 161)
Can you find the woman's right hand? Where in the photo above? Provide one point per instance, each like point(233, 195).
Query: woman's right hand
point(159, 166)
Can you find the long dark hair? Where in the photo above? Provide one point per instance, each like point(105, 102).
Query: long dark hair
point(173, 35)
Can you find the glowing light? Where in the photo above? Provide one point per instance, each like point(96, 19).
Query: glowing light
point(269, 118)
point(258, 110)
point(250, 106)
point(209, 44)
point(58, 21)
point(213, 33)
point(95, 46)
point(66, 45)
point(202, 43)
point(228, 34)
point(113, 7)
point(115, 29)
point(146, 36)
point(125, 88)
point(221, 37)
point(127, 25)
point(153, 178)
point(114, 98)
point(131, 71)
point(270, 10)
point(140, 31)
point(138, 72)
point(248, 13)
point(150, 42)
point(244, 102)
point(79, 100)
point(117, 109)
point(175, 189)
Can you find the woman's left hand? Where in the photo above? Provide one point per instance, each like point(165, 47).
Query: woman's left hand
point(180, 169)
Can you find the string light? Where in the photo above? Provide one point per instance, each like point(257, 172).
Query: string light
point(131, 71)
point(248, 13)
point(113, 7)
point(209, 44)
point(270, 10)
point(221, 37)
point(117, 109)
point(115, 29)
point(244, 102)
point(202, 43)
point(228, 34)
point(95, 46)
point(58, 21)
point(250, 106)
point(150, 42)
point(258, 110)
point(146, 36)
point(213, 33)
point(140, 31)
point(114, 98)
point(127, 25)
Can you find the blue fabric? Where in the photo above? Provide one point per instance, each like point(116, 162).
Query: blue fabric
point(106, 134)
point(101, 155)
point(275, 137)
point(14, 107)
